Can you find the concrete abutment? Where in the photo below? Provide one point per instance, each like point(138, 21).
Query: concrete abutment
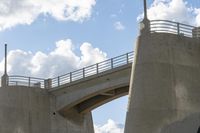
point(31, 110)
point(165, 85)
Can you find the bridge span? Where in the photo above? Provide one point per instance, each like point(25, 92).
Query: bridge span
point(86, 88)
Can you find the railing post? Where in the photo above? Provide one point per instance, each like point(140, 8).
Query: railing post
point(178, 28)
point(48, 83)
point(83, 72)
point(4, 80)
point(127, 58)
point(97, 67)
point(70, 76)
point(58, 81)
point(111, 63)
point(196, 32)
point(29, 81)
point(38, 85)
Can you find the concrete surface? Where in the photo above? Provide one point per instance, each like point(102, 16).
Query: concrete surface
point(165, 85)
point(31, 110)
point(24, 110)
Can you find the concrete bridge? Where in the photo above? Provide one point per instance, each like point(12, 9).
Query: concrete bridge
point(164, 88)
point(86, 88)
point(70, 98)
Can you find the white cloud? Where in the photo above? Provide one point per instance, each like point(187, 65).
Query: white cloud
point(15, 12)
point(197, 19)
point(59, 61)
point(175, 10)
point(119, 26)
point(89, 54)
point(110, 127)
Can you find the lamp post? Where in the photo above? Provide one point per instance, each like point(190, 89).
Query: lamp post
point(4, 78)
point(145, 24)
point(145, 9)
point(5, 67)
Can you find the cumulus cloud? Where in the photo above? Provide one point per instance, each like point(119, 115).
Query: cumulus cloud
point(119, 26)
point(14, 12)
point(110, 127)
point(59, 61)
point(175, 10)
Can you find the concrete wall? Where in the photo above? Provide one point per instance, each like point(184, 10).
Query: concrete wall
point(71, 122)
point(24, 110)
point(31, 110)
point(165, 85)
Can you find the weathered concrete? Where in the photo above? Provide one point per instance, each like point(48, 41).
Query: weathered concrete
point(31, 110)
point(24, 110)
point(165, 87)
point(72, 122)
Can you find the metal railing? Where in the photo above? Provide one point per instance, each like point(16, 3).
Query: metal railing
point(93, 69)
point(166, 26)
point(106, 65)
point(16, 80)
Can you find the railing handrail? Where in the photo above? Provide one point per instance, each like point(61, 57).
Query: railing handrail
point(74, 75)
point(167, 26)
point(16, 76)
point(95, 69)
point(160, 20)
point(93, 65)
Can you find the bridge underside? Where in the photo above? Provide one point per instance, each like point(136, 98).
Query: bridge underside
point(94, 102)
point(97, 100)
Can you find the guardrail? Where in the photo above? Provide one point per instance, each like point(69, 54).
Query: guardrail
point(93, 69)
point(16, 80)
point(166, 26)
point(106, 65)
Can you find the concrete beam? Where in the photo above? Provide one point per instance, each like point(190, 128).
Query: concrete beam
point(98, 100)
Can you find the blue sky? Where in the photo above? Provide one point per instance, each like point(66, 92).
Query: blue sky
point(47, 31)
point(98, 29)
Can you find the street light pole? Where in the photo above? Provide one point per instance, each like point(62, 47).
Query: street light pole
point(145, 9)
point(4, 78)
point(145, 24)
point(5, 65)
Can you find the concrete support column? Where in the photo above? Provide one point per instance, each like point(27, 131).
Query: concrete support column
point(4, 80)
point(196, 32)
point(48, 84)
point(164, 92)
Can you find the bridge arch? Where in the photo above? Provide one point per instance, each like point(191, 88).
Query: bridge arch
point(101, 99)
point(89, 93)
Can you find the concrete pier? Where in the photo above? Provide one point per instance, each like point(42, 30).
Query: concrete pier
point(165, 85)
point(31, 110)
